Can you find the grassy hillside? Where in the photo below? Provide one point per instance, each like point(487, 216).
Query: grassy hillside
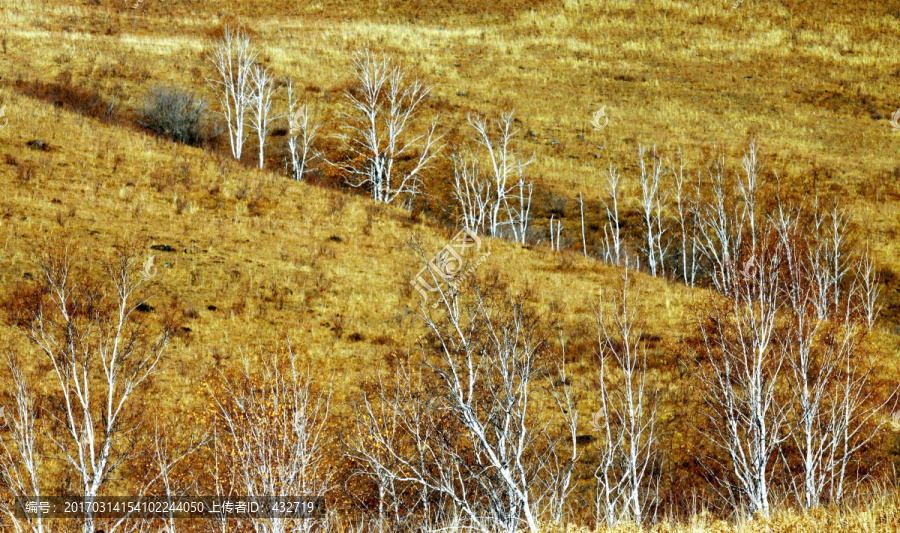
point(247, 257)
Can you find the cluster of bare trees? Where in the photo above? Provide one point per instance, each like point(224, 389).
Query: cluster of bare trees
point(674, 221)
point(76, 421)
point(387, 153)
point(302, 134)
point(233, 58)
point(388, 146)
point(99, 359)
point(245, 90)
point(784, 374)
point(461, 437)
point(698, 232)
point(780, 359)
point(489, 181)
point(479, 427)
point(270, 435)
point(690, 230)
point(387, 150)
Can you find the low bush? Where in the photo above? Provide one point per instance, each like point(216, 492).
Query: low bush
point(175, 113)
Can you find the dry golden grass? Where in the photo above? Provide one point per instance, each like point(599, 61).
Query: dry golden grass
point(277, 259)
point(259, 258)
point(881, 513)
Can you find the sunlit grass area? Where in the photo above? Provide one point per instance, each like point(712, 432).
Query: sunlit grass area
point(248, 259)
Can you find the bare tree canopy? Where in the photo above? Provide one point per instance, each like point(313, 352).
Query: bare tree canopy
point(388, 150)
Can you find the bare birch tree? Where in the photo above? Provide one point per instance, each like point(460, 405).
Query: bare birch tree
point(581, 209)
point(748, 185)
point(302, 134)
point(721, 228)
point(20, 462)
point(472, 192)
point(274, 430)
point(224, 479)
point(555, 233)
point(834, 410)
point(519, 216)
point(856, 415)
point(506, 169)
point(168, 454)
point(261, 90)
point(233, 57)
point(387, 151)
point(391, 451)
point(837, 254)
point(626, 419)
point(614, 250)
point(651, 202)
point(687, 224)
point(739, 369)
point(812, 374)
point(869, 289)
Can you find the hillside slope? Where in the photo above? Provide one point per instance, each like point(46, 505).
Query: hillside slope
point(248, 258)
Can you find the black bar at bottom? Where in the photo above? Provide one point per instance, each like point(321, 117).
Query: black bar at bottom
point(257, 507)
